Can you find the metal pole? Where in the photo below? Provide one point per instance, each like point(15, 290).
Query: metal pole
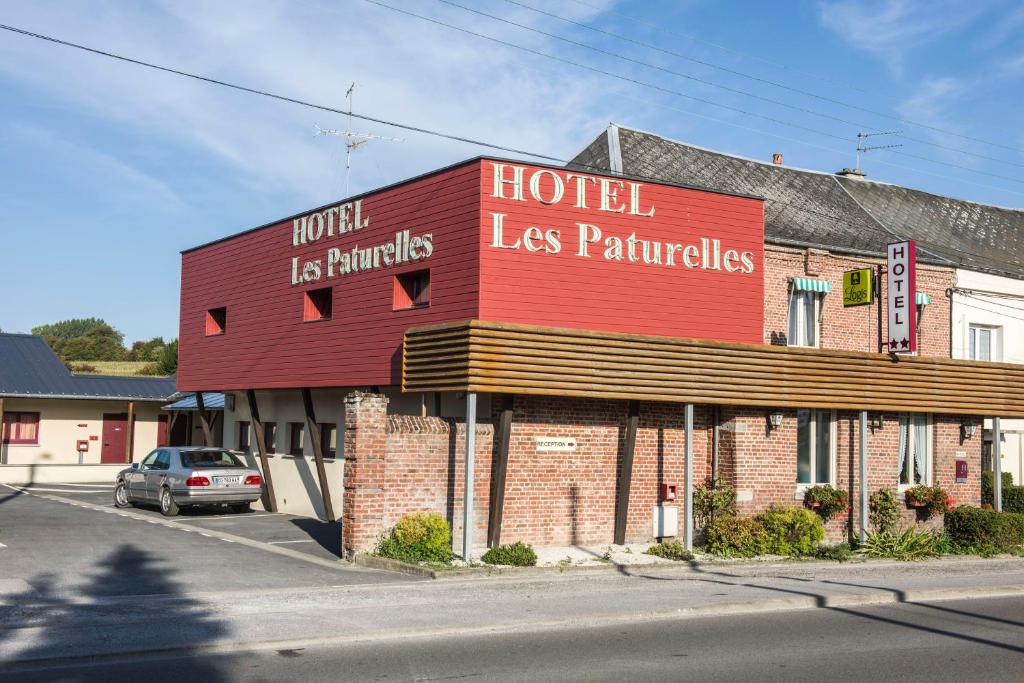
point(997, 466)
point(863, 475)
point(688, 512)
point(467, 498)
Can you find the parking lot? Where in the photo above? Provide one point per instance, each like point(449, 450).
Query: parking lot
point(70, 540)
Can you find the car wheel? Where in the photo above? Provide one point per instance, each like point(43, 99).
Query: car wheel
point(121, 495)
point(167, 505)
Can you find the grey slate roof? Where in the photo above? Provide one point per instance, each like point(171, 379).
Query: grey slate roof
point(810, 208)
point(30, 368)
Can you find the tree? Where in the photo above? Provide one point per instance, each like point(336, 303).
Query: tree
point(83, 339)
point(148, 351)
point(168, 362)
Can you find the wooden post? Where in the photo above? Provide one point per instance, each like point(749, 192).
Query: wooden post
point(203, 421)
point(318, 452)
point(626, 473)
point(269, 501)
point(498, 478)
point(3, 453)
point(129, 435)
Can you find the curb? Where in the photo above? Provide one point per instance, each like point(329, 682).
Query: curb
point(796, 603)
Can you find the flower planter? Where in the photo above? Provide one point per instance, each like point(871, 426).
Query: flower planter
point(917, 503)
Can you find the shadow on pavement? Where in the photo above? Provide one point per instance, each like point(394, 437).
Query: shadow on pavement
point(327, 534)
point(170, 619)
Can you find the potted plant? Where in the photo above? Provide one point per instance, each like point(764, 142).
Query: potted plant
point(930, 499)
point(827, 500)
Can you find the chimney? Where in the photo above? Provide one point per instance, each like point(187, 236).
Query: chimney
point(777, 158)
point(854, 173)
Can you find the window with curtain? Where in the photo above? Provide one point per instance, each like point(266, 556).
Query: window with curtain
point(915, 458)
point(981, 342)
point(21, 429)
point(803, 318)
point(814, 447)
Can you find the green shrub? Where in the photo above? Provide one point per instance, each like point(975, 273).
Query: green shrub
point(988, 483)
point(840, 552)
point(790, 530)
point(516, 554)
point(418, 537)
point(974, 528)
point(932, 499)
point(711, 500)
point(671, 550)
point(827, 500)
point(907, 545)
point(884, 510)
point(735, 537)
point(1013, 499)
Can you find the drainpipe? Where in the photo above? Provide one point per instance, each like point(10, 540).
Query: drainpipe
point(688, 514)
point(467, 498)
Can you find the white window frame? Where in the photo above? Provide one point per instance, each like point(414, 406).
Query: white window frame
point(833, 464)
point(800, 299)
point(994, 338)
point(929, 455)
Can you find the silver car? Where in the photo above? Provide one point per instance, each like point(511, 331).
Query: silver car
point(175, 477)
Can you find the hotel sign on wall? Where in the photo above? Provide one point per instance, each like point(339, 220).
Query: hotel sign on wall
point(902, 295)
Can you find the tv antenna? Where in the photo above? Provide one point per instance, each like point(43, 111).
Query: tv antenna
point(353, 139)
point(862, 147)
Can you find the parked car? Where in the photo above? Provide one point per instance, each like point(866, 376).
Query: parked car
point(174, 478)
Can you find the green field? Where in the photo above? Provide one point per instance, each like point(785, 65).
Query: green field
point(110, 367)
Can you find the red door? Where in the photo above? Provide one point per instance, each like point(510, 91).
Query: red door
point(162, 433)
point(115, 433)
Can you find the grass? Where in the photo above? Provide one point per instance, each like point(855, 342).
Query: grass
point(112, 367)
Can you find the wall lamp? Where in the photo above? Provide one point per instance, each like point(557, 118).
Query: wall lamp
point(967, 430)
point(774, 419)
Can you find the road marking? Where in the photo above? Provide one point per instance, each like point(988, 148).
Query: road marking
point(2, 545)
point(39, 488)
point(63, 483)
point(304, 540)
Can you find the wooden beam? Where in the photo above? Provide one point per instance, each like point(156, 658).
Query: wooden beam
point(269, 500)
point(498, 478)
point(318, 452)
point(3, 452)
point(203, 420)
point(129, 436)
point(626, 473)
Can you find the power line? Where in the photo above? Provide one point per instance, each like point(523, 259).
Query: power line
point(725, 48)
point(654, 86)
point(282, 98)
point(712, 65)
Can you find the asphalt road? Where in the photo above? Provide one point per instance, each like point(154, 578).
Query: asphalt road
point(973, 640)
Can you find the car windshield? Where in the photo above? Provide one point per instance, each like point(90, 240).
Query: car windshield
point(201, 459)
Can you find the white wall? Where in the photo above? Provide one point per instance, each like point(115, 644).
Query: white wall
point(997, 302)
point(62, 422)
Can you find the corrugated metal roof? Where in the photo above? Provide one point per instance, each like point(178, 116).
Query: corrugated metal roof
point(211, 401)
point(815, 209)
point(29, 368)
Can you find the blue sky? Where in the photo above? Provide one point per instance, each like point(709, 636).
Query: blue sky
point(108, 170)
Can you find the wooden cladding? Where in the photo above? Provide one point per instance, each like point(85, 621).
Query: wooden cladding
point(476, 355)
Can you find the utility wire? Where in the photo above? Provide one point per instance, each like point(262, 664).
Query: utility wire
point(282, 98)
point(670, 91)
point(747, 55)
point(807, 93)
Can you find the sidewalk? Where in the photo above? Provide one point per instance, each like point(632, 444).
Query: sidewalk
point(296, 617)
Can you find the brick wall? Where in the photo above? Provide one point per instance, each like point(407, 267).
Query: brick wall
point(854, 328)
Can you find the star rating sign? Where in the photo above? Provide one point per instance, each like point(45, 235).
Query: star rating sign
point(905, 343)
point(893, 344)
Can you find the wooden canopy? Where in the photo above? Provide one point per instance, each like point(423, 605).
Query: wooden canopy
point(476, 355)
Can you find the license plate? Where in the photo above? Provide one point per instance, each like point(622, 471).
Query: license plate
point(226, 481)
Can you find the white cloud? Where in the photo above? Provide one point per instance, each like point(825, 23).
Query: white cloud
point(890, 29)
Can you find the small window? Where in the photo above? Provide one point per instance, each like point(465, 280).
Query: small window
point(412, 290)
point(163, 461)
point(982, 342)
point(814, 449)
point(915, 450)
point(329, 439)
point(243, 436)
point(270, 436)
point(216, 321)
point(804, 314)
point(317, 304)
point(21, 429)
point(296, 438)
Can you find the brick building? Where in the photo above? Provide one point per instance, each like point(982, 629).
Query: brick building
point(590, 335)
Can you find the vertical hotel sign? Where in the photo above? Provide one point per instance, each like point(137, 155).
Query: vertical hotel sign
point(902, 297)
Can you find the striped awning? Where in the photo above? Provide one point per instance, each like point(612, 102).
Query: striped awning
point(806, 284)
point(923, 299)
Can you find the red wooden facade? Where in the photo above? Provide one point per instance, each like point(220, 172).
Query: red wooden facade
point(703, 279)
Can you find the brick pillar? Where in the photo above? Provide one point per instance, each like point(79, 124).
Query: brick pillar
point(365, 450)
